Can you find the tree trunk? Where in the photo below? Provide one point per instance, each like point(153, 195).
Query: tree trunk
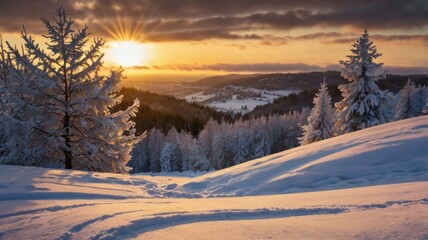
point(67, 152)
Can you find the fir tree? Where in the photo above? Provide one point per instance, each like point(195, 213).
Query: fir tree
point(166, 157)
point(63, 104)
point(321, 119)
point(222, 147)
point(364, 104)
point(155, 141)
point(242, 152)
point(206, 141)
point(263, 145)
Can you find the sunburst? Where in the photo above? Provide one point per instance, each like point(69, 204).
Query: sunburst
point(127, 48)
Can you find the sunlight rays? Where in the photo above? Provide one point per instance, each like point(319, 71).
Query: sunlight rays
point(127, 49)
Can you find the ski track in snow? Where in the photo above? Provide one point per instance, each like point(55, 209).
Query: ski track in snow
point(50, 209)
point(153, 222)
point(79, 227)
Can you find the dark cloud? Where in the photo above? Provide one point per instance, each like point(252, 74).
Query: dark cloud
point(379, 37)
point(190, 20)
point(198, 36)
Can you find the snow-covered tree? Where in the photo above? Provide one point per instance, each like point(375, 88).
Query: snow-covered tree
point(16, 108)
point(421, 99)
point(222, 147)
point(139, 161)
point(364, 103)
point(293, 122)
point(63, 104)
point(155, 143)
point(166, 157)
point(321, 119)
point(206, 140)
point(176, 157)
point(242, 144)
point(187, 149)
point(407, 107)
point(277, 132)
point(263, 145)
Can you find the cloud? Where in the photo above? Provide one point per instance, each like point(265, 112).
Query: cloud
point(139, 67)
point(380, 37)
point(190, 20)
point(274, 67)
point(198, 36)
point(249, 67)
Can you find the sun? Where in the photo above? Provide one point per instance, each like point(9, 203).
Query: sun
point(128, 53)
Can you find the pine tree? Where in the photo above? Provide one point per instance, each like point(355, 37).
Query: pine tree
point(139, 161)
point(364, 104)
point(242, 152)
point(166, 157)
point(321, 119)
point(16, 110)
point(206, 141)
point(155, 141)
point(63, 104)
point(263, 145)
point(187, 149)
point(222, 149)
point(294, 121)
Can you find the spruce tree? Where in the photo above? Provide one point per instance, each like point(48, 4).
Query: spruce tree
point(63, 103)
point(166, 157)
point(364, 104)
point(411, 101)
point(321, 119)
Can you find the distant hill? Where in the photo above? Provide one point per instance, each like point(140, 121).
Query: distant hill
point(165, 112)
point(215, 80)
point(303, 81)
point(276, 81)
point(296, 102)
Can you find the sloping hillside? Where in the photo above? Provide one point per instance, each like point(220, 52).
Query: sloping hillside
point(165, 112)
point(375, 180)
point(304, 81)
point(390, 153)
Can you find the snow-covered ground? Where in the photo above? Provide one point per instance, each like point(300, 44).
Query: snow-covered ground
point(372, 184)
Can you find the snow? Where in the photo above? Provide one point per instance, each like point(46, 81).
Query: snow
point(370, 184)
point(198, 97)
point(238, 102)
point(390, 153)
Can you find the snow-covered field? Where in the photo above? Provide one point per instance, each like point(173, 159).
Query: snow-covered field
point(242, 103)
point(371, 184)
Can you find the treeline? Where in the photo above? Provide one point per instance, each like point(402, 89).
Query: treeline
point(219, 145)
point(165, 112)
point(298, 101)
point(359, 104)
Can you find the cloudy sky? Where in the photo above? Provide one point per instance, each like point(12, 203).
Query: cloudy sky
point(180, 39)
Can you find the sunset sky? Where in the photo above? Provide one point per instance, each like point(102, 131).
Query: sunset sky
point(189, 39)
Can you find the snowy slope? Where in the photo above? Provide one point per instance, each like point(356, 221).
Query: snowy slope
point(377, 181)
point(390, 153)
